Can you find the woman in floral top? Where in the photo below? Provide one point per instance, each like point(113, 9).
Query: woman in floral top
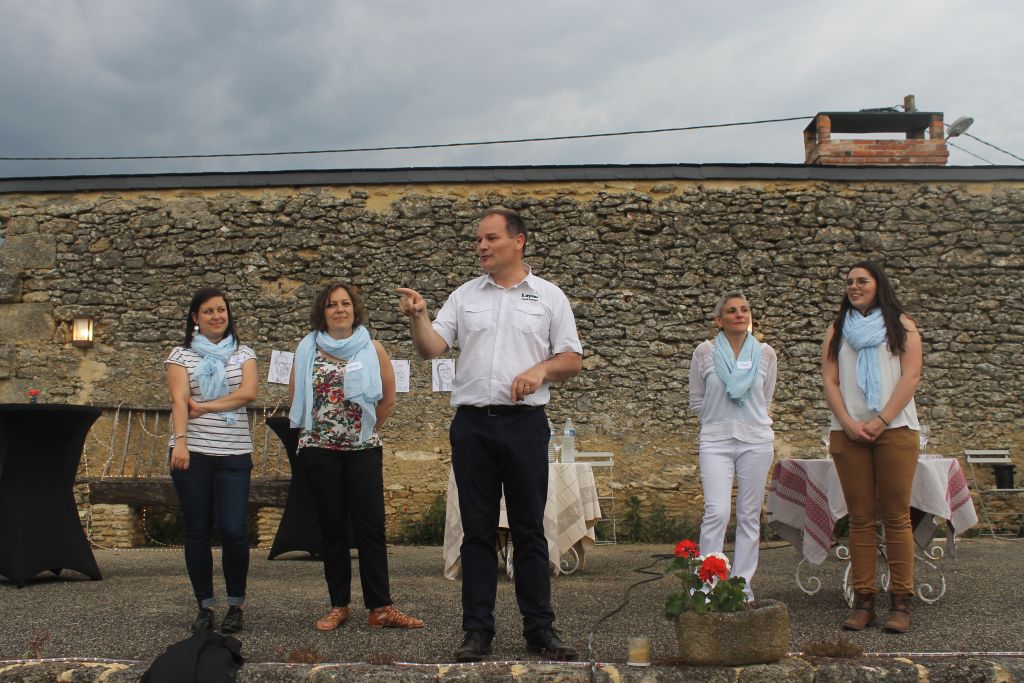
point(342, 390)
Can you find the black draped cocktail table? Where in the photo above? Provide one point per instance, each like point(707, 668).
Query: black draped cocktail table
point(299, 529)
point(40, 448)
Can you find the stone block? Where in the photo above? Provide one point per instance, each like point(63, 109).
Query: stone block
point(10, 277)
point(114, 526)
point(27, 322)
point(32, 251)
point(268, 519)
point(6, 361)
point(22, 225)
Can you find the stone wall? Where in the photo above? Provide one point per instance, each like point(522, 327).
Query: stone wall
point(642, 263)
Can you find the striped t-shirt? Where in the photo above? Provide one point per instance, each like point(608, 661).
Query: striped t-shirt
point(210, 433)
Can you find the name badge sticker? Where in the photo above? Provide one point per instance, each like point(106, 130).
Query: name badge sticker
point(353, 366)
point(529, 296)
point(744, 365)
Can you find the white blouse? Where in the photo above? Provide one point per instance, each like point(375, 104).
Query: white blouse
point(853, 397)
point(722, 418)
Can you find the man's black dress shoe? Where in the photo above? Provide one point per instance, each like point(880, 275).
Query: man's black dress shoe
point(475, 646)
point(232, 622)
point(545, 641)
point(204, 620)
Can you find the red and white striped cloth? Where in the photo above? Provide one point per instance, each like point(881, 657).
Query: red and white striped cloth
point(805, 499)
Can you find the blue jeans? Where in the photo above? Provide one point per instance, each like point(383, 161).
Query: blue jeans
point(215, 484)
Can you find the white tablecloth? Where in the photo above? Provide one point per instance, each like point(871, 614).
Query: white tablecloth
point(570, 513)
point(805, 500)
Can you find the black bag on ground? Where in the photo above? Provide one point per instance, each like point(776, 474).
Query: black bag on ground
point(206, 657)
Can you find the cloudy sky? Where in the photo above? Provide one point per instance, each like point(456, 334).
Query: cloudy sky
point(149, 77)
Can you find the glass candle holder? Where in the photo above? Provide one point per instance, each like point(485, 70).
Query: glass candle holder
point(639, 651)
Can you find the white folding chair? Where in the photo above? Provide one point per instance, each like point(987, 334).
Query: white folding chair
point(603, 463)
point(996, 459)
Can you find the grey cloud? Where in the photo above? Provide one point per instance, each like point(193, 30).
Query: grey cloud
point(190, 77)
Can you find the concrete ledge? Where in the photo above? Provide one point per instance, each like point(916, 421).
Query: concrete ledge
point(790, 670)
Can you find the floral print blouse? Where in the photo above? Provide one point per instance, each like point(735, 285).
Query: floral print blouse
point(336, 422)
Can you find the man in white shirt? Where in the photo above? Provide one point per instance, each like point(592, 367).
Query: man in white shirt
point(516, 334)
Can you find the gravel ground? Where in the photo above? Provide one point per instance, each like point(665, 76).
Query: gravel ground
point(144, 603)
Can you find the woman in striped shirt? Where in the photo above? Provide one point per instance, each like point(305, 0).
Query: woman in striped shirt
point(211, 378)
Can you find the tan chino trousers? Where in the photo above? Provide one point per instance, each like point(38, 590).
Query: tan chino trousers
point(887, 466)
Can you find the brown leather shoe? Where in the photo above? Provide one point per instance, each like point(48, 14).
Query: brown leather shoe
point(899, 613)
point(389, 617)
point(333, 619)
point(863, 614)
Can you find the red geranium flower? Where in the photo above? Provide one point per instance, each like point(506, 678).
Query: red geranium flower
point(33, 392)
point(687, 548)
point(711, 567)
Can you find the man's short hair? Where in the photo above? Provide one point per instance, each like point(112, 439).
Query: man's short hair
point(513, 222)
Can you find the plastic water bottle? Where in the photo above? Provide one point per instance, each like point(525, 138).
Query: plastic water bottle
point(569, 441)
point(552, 453)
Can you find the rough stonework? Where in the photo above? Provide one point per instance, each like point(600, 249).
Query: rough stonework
point(642, 262)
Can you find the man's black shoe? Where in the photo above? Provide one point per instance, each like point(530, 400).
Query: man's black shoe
point(546, 642)
point(475, 646)
point(232, 622)
point(204, 620)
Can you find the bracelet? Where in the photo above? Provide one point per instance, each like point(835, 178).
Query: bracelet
point(884, 421)
point(183, 435)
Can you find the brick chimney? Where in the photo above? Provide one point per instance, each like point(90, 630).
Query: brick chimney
point(914, 150)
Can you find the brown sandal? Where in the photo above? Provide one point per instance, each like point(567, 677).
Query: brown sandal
point(389, 617)
point(333, 619)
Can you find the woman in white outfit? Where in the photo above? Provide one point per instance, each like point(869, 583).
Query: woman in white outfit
point(732, 380)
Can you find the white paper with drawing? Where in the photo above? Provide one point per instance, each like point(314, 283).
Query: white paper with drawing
point(280, 366)
point(443, 373)
point(401, 375)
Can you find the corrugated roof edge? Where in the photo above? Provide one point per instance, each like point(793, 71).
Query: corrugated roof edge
point(509, 174)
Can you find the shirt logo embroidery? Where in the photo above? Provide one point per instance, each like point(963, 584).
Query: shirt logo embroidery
point(529, 296)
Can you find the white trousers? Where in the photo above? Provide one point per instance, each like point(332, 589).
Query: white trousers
point(748, 463)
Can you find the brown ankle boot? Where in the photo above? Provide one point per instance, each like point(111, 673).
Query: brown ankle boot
point(899, 613)
point(863, 613)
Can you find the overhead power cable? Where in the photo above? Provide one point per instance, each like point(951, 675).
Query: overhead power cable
point(967, 151)
point(974, 137)
point(350, 150)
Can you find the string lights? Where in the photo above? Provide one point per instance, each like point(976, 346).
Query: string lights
point(109, 452)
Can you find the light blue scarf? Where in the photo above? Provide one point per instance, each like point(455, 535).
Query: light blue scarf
point(211, 373)
point(738, 382)
point(362, 377)
point(865, 334)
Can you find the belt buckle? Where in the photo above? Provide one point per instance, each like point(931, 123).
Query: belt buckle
point(493, 411)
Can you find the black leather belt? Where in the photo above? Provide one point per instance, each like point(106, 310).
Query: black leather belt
point(501, 409)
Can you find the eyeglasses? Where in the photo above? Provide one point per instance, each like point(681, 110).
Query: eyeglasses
point(859, 282)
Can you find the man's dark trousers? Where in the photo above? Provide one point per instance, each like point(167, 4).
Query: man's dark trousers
point(488, 451)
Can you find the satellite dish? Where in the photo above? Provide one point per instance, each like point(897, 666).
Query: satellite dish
point(960, 126)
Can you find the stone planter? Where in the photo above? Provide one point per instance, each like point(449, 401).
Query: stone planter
point(756, 636)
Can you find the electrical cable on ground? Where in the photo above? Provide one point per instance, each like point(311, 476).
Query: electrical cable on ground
point(393, 148)
point(655, 576)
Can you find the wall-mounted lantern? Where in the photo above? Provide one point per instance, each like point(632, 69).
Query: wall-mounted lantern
point(81, 332)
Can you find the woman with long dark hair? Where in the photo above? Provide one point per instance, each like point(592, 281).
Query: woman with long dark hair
point(342, 390)
point(871, 366)
point(211, 378)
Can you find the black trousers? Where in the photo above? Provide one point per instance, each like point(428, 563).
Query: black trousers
point(349, 485)
point(488, 452)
